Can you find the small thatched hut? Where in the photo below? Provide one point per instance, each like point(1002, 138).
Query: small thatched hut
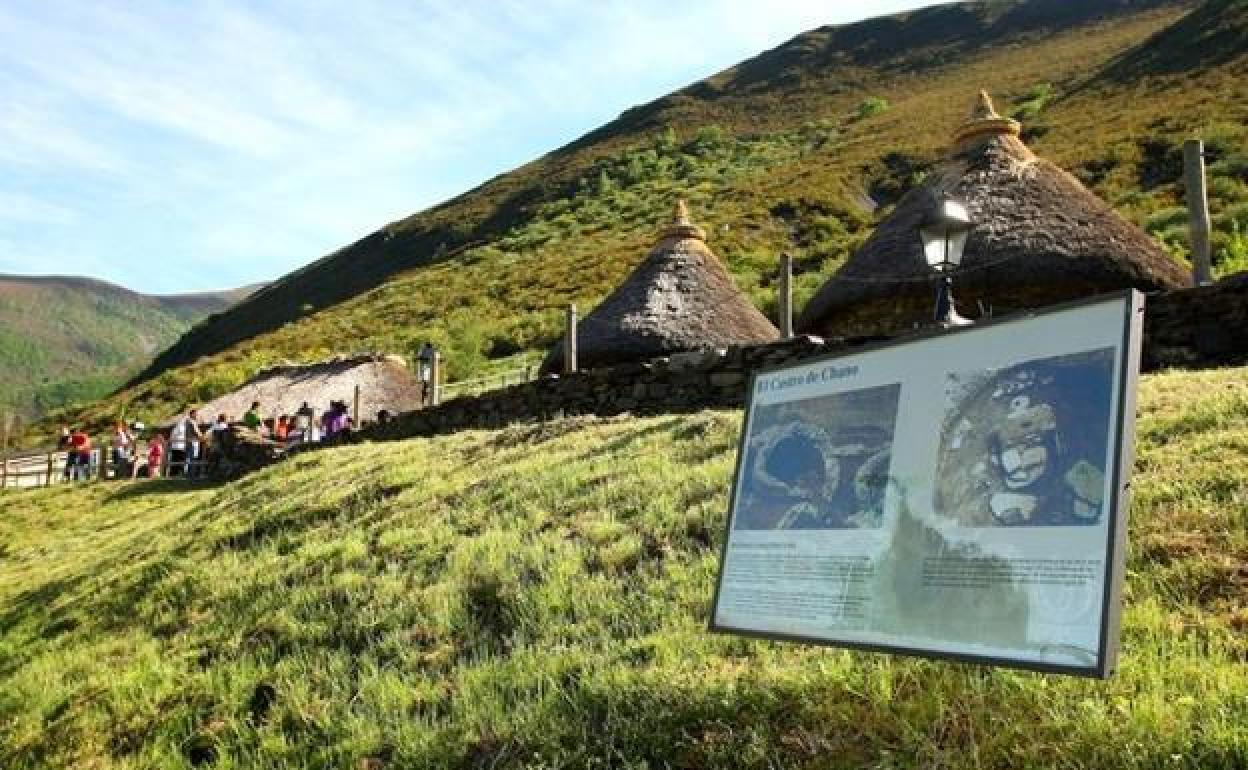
point(1040, 237)
point(384, 381)
point(681, 298)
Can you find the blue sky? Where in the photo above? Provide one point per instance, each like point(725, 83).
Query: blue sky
point(177, 146)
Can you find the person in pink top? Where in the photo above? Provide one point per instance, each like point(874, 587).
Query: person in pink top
point(155, 458)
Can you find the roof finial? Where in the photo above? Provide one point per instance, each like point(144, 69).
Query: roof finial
point(681, 213)
point(983, 125)
point(682, 226)
point(982, 109)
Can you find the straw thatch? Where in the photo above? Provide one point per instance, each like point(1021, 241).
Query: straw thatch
point(384, 382)
point(1040, 237)
point(681, 298)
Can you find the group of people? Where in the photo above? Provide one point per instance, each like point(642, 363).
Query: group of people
point(302, 426)
point(190, 446)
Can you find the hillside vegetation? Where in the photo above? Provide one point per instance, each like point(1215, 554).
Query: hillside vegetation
point(538, 597)
point(802, 148)
point(66, 340)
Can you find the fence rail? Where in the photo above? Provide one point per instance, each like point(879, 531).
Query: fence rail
point(491, 382)
point(43, 469)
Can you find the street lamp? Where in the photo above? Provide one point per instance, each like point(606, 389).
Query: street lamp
point(944, 232)
point(426, 359)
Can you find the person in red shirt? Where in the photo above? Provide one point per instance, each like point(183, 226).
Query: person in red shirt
point(80, 452)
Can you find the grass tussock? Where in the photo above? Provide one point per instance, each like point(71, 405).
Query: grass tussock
point(538, 596)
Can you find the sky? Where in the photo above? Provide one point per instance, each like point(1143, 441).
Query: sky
point(174, 146)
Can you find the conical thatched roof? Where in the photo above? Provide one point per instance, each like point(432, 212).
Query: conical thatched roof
point(679, 299)
point(1040, 237)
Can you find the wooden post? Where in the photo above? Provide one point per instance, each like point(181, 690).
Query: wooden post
point(435, 379)
point(569, 342)
point(785, 299)
point(355, 408)
point(1197, 210)
point(4, 451)
point(47, 482)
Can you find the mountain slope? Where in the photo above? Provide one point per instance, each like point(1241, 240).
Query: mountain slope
point(66, 338)
point(1212, 35)
point(801, 148)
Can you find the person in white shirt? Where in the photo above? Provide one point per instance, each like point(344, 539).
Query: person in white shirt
point(123, 449)
point(184, 440)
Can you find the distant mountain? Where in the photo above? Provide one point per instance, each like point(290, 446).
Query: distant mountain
point(800, 149)
point(1212, 35)
point(66, 339)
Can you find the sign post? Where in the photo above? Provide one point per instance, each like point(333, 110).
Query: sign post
point(958, 495)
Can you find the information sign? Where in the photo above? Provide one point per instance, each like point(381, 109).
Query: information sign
point(960, 494)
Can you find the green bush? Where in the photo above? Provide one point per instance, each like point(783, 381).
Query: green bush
point(1233, 256)
point(872, 105)
point(1030, 104)
point(1166, 219)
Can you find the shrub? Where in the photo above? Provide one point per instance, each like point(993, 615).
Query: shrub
point(1031, 103)
point(872, 105)
point(1166, 219)
point(1233, 256)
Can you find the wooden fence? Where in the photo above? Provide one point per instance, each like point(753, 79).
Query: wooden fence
point(482, 384)
point(46, 468)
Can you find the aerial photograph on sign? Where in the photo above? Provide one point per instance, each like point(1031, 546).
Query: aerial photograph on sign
point(820, 463)
point(1026, 446)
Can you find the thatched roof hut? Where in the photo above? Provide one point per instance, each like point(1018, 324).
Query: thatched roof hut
point(1040, 237)
point(384, 381)
point(681, 298)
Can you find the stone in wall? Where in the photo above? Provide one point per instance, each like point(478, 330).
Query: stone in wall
point(1198, 327)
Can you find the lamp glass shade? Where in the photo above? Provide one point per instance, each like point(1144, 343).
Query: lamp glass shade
point(944, 235)
point(425, 361)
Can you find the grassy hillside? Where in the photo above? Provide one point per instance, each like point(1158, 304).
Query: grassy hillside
point(409, 605)
point(802, 148)
point(69, 340)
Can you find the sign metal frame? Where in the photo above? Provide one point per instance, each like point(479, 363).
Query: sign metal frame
point(1123, 454)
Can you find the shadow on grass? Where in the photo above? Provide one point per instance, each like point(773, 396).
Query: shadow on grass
point(131, 490)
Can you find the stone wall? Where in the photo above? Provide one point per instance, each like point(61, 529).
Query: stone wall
point(681, 383)
point(1200, 327)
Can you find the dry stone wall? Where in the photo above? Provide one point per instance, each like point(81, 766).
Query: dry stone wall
point(1200, 327)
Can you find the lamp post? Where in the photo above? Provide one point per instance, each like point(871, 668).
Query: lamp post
point(426, 370)
point(944, 232)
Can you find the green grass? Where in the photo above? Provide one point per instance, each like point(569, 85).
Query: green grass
point(538, 597)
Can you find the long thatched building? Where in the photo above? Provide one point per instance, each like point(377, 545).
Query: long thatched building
point(384, 382)
point(681, 298)
point(1040, 237)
